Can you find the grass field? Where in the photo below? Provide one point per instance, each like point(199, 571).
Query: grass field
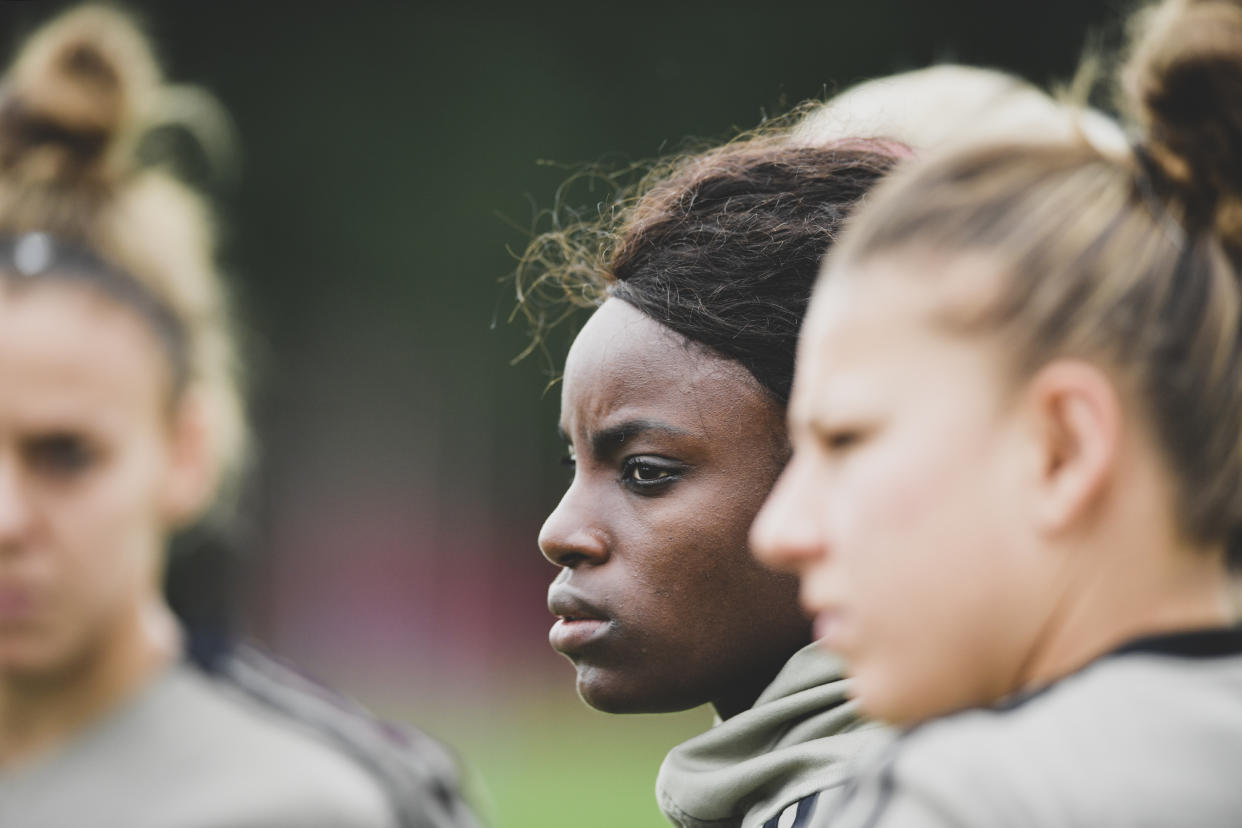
point(550, 762)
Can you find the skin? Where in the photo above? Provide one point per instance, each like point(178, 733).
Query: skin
point(97, 466)
point(961, 534)
point(674, 450)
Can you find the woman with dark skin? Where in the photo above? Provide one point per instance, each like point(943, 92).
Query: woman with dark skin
point(673, 405)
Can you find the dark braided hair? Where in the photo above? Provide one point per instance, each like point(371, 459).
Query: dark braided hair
point(723, 246)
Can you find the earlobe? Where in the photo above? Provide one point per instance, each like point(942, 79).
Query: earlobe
point(193, 470)
point(1078, 411)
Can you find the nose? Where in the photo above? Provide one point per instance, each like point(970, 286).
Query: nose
point(572, 536)
point(15, 508)
point(787, 534)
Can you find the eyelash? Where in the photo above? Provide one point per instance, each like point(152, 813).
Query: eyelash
point(632, 466)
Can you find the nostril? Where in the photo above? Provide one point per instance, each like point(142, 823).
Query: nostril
point(571, 559)
point(577, 549)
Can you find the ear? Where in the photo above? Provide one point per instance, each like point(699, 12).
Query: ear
point(1077, 414)
point(193, 470)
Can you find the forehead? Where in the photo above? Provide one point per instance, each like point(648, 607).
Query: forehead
point(625, 364)
point(68, 353)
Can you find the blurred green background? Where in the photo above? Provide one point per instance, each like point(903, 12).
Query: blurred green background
point(391, 161)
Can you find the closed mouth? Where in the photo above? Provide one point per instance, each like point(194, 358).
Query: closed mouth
point(580, 625)
point(569, 606)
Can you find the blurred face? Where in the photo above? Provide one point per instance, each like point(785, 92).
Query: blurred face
point(660, 605)
point(902, 509)
point(84, 483)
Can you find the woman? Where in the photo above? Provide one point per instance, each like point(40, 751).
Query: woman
point(1017, 478)
point(120, 415)
point(672, 404)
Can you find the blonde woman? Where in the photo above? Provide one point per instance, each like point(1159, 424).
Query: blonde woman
point(1017, 478)
point(120, 419)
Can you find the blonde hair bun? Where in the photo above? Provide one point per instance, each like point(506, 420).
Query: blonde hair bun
point(77, 96)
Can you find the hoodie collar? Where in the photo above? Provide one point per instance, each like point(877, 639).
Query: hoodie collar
point(795, 741)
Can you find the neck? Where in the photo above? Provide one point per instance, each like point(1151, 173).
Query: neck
point(742, 693)
point(40, 713)
point(1159, 593)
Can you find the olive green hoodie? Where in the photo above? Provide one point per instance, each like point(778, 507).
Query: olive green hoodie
point(789, 752)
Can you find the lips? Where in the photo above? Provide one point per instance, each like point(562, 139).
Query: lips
point(564, 603)
point(579, 622)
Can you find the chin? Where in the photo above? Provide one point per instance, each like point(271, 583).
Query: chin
point(28, 660)
point(609, 692)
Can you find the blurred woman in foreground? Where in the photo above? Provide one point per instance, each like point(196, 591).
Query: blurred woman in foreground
point(1017, 477)
point(120, 420)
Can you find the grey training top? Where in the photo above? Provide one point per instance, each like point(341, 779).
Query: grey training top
point(1149, 735)
point(190, 751)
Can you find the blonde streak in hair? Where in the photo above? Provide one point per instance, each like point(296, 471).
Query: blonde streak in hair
point(1225, 310)
point(1096, 238)
point(200, 114)
point(1032, 192)
point(1061, 318)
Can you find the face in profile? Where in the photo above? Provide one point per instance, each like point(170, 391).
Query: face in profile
point(902, 506)
point(93, 473)
point(659, 603)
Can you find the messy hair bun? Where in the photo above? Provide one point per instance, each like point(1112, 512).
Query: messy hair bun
point(75, 100)
point(1183, 84)
point(74, 105)
point(1129, 259)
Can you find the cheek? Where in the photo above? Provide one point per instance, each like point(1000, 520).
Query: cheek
point(683, 548)
point(889, 508)
point(696, 574)
point(924, 539)
point(106, 531)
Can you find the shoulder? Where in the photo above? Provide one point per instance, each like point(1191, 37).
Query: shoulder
point(417, 775)
point(248, 767)
point(1089, 750)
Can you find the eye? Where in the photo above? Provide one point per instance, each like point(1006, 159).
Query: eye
point(60, 455)
point(647, 474)
point(841, 440)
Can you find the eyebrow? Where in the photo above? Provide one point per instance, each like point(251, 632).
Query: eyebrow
point(611, 439)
